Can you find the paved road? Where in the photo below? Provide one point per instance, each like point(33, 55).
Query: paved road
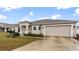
point(51, 44)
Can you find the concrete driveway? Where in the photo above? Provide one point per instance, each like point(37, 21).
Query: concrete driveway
point(51, 44)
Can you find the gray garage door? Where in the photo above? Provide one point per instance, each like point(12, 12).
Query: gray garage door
point(58, 30)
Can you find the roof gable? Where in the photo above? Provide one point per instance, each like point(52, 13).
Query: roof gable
point(24, 22)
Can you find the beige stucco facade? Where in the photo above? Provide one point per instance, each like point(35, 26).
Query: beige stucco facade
point(37, 31)
point(67, 29)
point(24, 28)
point(56, 30)
point(45, 27)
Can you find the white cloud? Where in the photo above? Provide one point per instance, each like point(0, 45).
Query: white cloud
point(56, 17)
point(76, 12)
point(25, 19)
point(63, 7)
point(8, 8)
point(2, 17)
point(43, 18)
point(52, 17)
point(31, 13)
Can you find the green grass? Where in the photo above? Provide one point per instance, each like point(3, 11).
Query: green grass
point(7, 44)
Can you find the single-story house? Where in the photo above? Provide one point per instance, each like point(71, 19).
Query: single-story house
point(49, 27)
point(4, 27)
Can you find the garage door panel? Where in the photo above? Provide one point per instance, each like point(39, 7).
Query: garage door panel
point(58, 30)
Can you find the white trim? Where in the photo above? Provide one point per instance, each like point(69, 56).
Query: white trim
point(5, 29)
point(44, 31)
point(72, 30)
point(20, 29)
point(75, 30)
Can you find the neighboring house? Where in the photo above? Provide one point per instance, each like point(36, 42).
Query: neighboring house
point(49, 27)
point(4, 27)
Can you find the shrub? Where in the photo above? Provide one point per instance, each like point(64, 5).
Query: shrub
point(77, 37)
point(11, 31)
point(35, 35)
point(13, 34)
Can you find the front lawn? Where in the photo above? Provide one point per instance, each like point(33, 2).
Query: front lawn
point(7, 44)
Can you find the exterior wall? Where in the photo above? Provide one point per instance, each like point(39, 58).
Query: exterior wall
point(13, 29)
point(63, 30)
point(16, 29)
point(37, 31)
point(74, 28)
point(2, 29)
point(43, 30)
point(77, 31)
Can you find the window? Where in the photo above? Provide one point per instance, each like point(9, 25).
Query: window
point(39, 28)
point(18, 29)
point(42, 27)
point(34, 28)
point(74, 26)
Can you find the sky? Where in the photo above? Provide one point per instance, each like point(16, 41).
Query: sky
point(14, 15)
point(14, 11)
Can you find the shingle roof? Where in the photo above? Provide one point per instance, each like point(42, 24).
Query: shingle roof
point(40, 22)
point(8, 25)
point(51, 21)
point(12, 25)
